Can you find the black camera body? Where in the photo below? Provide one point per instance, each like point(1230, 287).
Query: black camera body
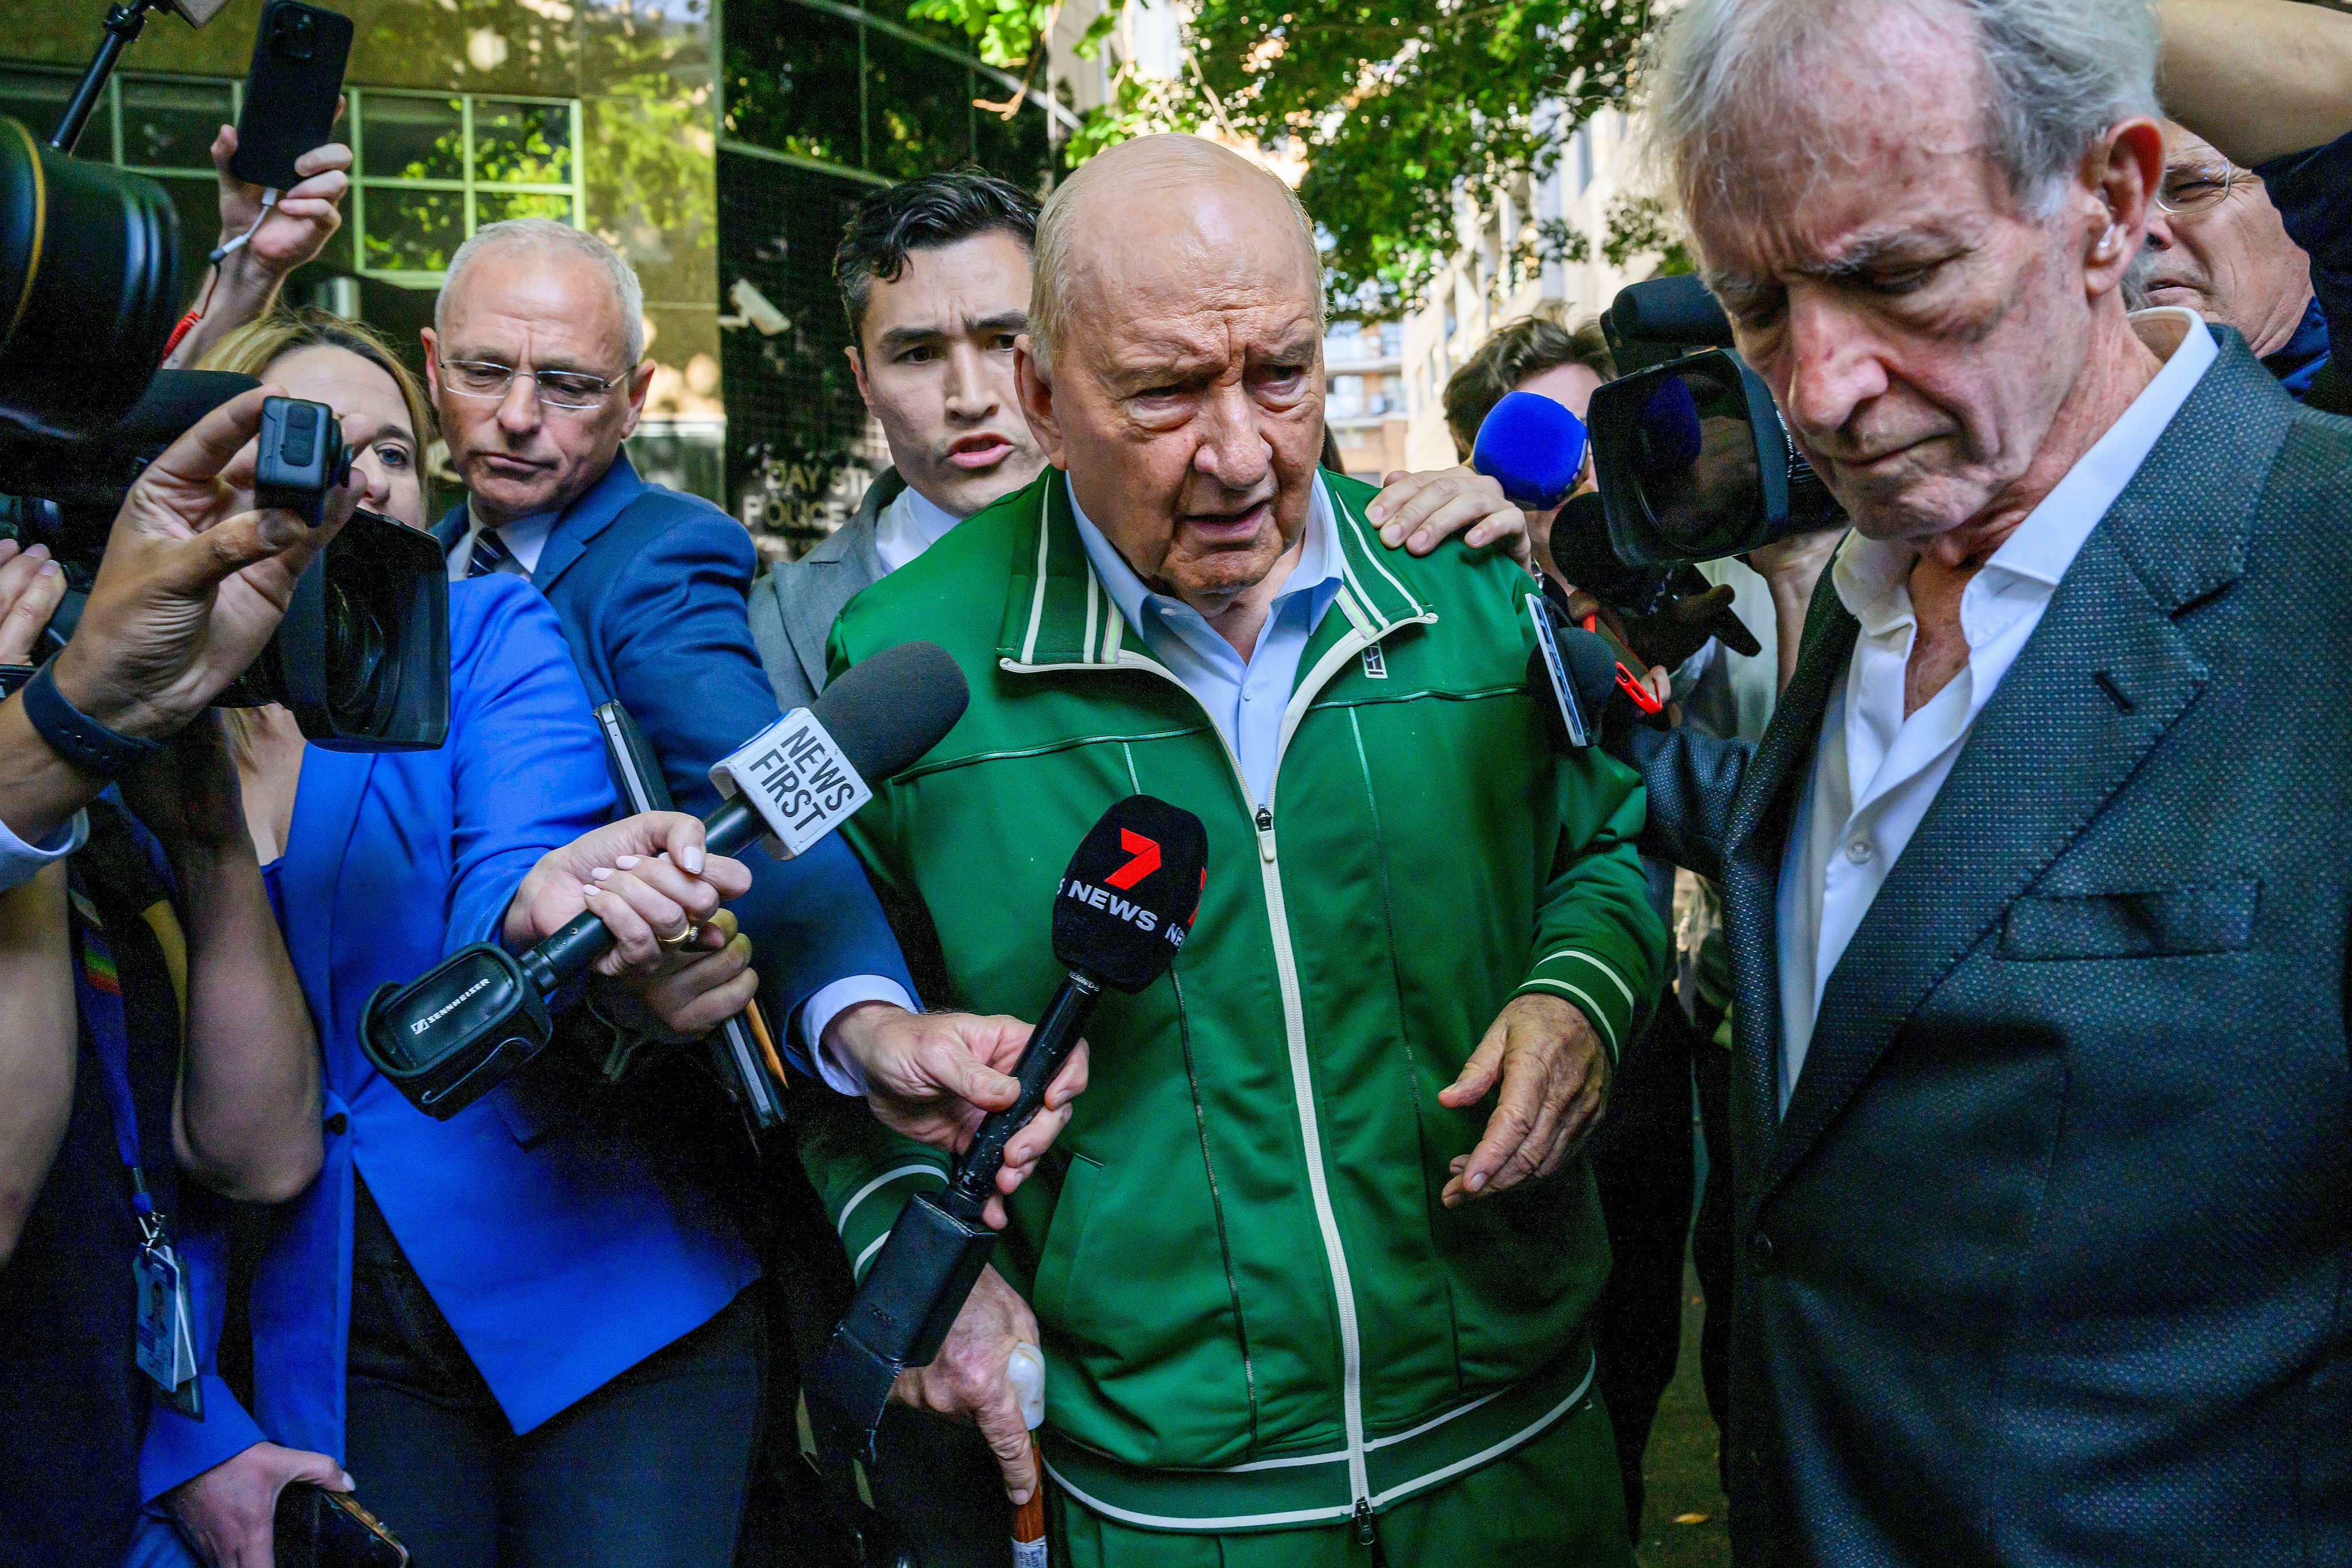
point(299, 457)
point(363, 655)
point(1693, 458)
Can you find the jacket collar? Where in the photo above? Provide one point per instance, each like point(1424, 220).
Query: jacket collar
point(1057, 614)
point(854, 540)
point(2105, 677)
point(580, 521)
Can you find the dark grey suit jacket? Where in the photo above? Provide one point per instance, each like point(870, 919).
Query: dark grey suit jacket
point(2050, 1261)
point(792, 607)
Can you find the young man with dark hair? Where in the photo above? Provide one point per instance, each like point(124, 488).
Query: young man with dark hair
point(934, 274)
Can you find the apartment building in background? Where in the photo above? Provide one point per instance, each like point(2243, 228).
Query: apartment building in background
point(1500, 272)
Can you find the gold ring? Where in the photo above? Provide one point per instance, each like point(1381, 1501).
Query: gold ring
point(680, 940)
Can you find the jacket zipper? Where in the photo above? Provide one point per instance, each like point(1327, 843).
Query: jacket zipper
point(1294, 1022)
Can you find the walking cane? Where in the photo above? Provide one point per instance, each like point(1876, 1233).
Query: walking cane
point(1025, 1369)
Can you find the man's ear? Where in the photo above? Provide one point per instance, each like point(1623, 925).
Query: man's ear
point(1037, 384)
point(2129, 171)
point(432, 343)
point(857, 369)
point(641, 381)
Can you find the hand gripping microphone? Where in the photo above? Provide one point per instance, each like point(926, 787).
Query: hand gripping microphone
point(1533, 446)
point(451, 1035)
point(1120, 913)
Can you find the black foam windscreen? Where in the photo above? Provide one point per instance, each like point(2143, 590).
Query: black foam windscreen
point(1581, 549)
point(1592, 668)
point(892, 706)
point(1130, 897)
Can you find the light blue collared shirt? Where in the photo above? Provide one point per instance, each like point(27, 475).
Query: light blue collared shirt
point(1245, 697)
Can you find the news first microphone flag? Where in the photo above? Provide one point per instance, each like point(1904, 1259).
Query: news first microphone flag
point(1235, 1250)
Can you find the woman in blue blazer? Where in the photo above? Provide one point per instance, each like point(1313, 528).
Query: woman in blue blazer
point(518, 1330)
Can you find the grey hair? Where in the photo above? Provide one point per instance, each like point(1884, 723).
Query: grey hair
point(2058, 73)
point(1161, 156)
point(546, 236)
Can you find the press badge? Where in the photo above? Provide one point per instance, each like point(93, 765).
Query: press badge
point(167, 1343)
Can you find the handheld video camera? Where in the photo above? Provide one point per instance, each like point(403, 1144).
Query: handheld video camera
point(89, 256)
point(1692, 460)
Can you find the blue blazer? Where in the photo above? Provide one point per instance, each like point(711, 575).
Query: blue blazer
point(562, 1247)
point(650, 585)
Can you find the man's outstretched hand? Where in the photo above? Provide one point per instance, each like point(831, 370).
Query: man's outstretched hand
point(934, 1077)
point(1555, 1079)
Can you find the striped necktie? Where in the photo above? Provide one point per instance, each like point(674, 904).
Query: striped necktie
point(490, 554)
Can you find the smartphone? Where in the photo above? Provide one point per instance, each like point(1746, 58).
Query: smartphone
point(291, 93)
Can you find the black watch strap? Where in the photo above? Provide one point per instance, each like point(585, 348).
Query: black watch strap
point(75, 736)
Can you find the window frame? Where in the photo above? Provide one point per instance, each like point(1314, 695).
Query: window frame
point(575, 190)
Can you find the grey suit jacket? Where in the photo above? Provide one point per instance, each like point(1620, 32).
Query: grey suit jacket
point(2050, 1260)
point(792, 607)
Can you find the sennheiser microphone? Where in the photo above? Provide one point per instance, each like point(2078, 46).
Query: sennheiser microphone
point(1533, 447)
point(447, 1038)
point(1121, 914)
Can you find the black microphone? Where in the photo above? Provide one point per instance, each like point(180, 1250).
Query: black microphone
point(1121, 912)
point(455, 1032)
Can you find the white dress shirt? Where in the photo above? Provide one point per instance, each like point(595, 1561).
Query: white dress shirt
point(524, 538)
point(1875, 772)
point(1245, 698)
point(21, 862)
point(910, 525)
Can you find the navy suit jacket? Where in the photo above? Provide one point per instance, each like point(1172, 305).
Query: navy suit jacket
point(650, 585)
point(2049, 1261)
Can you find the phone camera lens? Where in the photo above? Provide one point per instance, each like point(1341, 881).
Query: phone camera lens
point(297, 35)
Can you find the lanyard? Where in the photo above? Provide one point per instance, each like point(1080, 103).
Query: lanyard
point(97, 987)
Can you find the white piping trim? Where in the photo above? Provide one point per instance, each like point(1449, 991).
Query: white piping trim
point(1374, 555)
point(1518, 1439)
point(1289, 1464)
point(860, 1261)
point(870, 1188)
point(1311, 1515)
point(1037, 600)
point(1591, 1008)
point(1614, 979)
point(1093, 601)
point(1169, 1521)
point(1436, 1421)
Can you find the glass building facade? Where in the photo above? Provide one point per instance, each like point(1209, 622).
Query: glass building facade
point(611, 115)
point(821, 103)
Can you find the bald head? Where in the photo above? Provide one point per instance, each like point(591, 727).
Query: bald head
point(1199, 205)
point(1173, 367)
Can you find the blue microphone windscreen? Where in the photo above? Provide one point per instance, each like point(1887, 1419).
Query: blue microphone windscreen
point(1670, 420)
point(1533, 446)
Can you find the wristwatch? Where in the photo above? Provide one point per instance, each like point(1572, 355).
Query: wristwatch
point(76, 737)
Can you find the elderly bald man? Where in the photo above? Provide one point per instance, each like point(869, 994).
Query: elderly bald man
point(1312, 1275)
point(2036, 886)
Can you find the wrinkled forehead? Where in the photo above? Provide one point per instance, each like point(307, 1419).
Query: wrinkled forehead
point(1832, 148)
point(2183, 148)
point(1224, 271)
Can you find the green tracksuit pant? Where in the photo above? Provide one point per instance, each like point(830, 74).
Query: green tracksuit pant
point(1555, 1504)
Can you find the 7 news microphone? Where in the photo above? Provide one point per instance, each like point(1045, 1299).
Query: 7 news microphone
point(1121, 912)
point(450, 1036)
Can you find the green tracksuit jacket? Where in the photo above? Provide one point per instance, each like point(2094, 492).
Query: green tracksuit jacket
point(1257, 1313)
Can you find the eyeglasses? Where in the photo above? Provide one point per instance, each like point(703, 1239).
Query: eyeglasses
point(2192, 190)
point(569, 389)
